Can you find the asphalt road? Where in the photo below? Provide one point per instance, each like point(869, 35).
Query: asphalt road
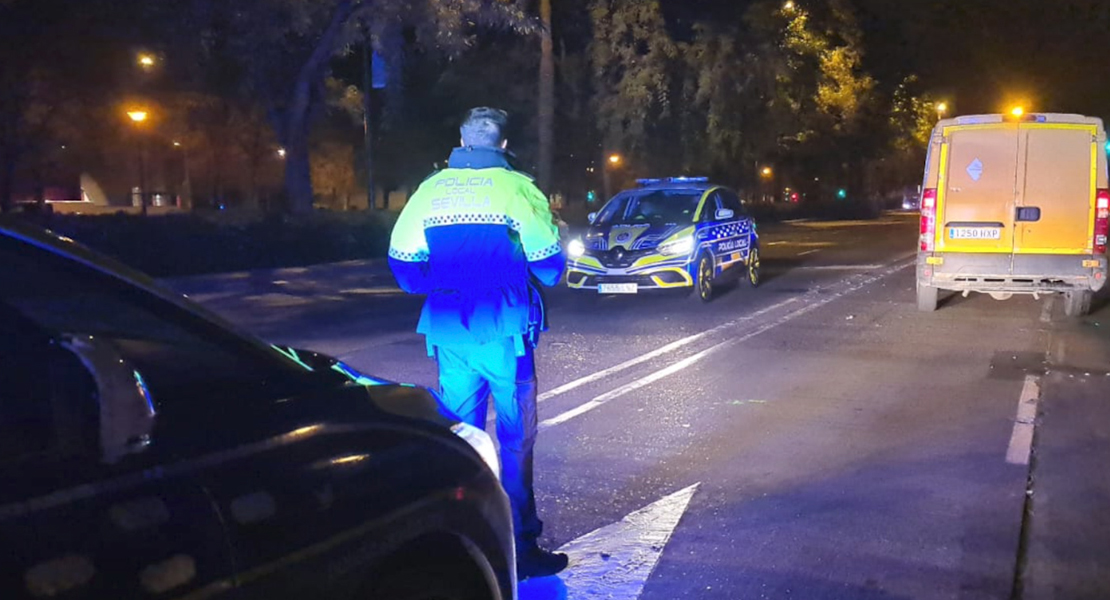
point(842, 444)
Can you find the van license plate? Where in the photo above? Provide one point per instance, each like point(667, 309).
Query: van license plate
point(974, 233)
point(617, 288)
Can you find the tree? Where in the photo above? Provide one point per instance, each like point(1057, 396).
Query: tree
point(729, 95)
point(546, 101)
point(820, 83)
point(333, 174)
point(283, 52)
point(43, 87)
point(634, 65)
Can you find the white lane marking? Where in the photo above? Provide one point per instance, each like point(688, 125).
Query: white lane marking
point(635, 385)
point(1021, 441)
point(614, 562)
point(1046, 310)
point(372, 291)
point(671, 347)
point(808, 252)
point(694, 358)
point(840, 267)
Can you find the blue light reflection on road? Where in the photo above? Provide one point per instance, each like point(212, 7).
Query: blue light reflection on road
point(543, 588)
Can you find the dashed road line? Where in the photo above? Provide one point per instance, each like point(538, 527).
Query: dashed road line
point(685, 363)
point(1021, 440)
point(662, 350)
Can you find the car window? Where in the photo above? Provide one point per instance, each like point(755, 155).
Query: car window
point(651, 206)
point(46, 405)
point(709, 210)
point(182, 356)
point(732, 202)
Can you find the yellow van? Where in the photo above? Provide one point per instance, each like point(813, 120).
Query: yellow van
point(1015, 205)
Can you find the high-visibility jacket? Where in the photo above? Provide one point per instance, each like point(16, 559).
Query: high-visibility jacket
point(470, 238)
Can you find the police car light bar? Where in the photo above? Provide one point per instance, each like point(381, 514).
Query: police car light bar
point(657, 181)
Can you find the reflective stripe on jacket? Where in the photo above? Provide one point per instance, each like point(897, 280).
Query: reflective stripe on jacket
point(469, 238)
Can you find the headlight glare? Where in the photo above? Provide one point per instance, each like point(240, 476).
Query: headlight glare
point(677, 247)
point(576, 248)
point(482, 444)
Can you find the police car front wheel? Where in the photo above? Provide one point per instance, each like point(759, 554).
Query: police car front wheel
point(703, 281)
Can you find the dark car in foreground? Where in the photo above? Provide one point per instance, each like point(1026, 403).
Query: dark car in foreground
point(149, 450)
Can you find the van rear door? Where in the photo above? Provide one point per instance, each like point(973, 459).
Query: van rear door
point(1057, 180)
point(977, 189)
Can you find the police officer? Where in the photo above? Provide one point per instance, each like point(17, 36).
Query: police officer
point(475, 238)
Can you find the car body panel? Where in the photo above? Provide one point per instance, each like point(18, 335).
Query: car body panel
point(1032, 184)
point(246, 495)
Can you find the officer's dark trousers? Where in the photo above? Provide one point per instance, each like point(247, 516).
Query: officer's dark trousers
point(468, 375)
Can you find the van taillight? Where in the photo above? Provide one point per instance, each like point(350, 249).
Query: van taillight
point(1102, 220)
point(928, 219)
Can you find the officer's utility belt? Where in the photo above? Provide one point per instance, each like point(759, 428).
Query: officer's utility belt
point(521, 343)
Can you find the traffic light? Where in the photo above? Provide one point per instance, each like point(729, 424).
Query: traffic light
point(842, 193)
point(591, 196)
point(1108, 147)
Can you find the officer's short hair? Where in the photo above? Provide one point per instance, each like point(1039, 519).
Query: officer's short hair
point(484, 126)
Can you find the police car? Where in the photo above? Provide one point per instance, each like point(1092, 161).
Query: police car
point(678, 232)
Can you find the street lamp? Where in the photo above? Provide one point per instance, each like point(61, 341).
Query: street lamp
point(281, 152)
point(613, 161)
point(1017, 111)
point(942, 109)
point(768, 174)
point(146, 61)
point(789, 6)
point(139, 116)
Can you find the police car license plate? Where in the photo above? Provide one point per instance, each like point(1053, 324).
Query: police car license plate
point(974, 233)
point(617, 288)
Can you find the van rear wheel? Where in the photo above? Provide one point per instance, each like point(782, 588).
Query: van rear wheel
point(1077, 303)
point(926, 298)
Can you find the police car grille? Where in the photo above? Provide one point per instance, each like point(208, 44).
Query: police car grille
point(621, 258)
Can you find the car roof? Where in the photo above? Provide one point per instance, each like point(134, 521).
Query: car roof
point(998, 119)
point(701, 184)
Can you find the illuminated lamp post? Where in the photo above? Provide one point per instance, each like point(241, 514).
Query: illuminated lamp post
point(613, 161)
point(139, 116)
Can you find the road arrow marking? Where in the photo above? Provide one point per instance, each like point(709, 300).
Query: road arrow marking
point(615, 561)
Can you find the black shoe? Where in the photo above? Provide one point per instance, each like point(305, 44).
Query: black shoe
point(536, 562)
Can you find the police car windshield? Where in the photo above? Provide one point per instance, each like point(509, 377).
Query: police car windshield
point(651, 206)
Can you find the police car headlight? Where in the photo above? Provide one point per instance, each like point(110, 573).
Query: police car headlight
point(576, 248)
point(677, 247)
point(481, 442)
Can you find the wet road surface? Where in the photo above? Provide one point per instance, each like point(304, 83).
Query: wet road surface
point(829, 440)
